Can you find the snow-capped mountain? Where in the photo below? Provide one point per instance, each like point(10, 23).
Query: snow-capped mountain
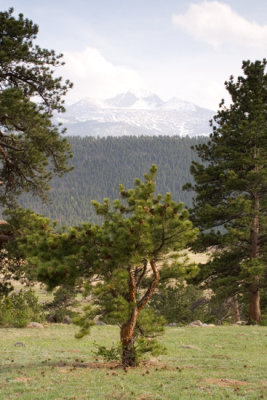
point(132, 114)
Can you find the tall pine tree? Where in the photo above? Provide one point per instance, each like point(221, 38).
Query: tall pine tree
point(231, 185)
point(31, 146)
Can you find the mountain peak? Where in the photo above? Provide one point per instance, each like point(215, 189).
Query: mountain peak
point(141, 93)
point(122, 100)
point(177, 104)
point(133, 113)
point(141, 99)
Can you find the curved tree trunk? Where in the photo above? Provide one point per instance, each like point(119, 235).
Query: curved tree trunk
point(129, 357)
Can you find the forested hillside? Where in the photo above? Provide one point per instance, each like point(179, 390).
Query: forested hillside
point(101, 164)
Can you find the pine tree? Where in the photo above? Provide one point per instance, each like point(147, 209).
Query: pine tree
point(139, 231)
point(31, 148)
point(231, 185)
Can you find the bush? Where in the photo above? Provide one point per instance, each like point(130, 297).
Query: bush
point(148, 346)
point(18, 309)
point(11, 269)
point(60, 307)
point(180, 304)
point(111, 354)
point(142, 347)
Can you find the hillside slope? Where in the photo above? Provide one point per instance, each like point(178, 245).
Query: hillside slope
point(102, 164)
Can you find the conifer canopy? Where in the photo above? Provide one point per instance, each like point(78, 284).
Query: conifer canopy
point(119, 263)
point(230, 206)
point(31, 146)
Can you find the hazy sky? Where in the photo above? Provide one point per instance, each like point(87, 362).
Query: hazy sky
point(180, 48)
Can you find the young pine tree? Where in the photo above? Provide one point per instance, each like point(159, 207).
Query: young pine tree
point(139, 231)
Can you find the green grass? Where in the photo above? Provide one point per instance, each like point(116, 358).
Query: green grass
point(230, 363)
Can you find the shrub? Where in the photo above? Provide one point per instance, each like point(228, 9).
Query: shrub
point(180, 304)
point(111, 354)
point(18, 309)
point(142, 347)
point(60, 307)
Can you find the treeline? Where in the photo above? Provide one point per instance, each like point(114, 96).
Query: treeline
point(101, 164)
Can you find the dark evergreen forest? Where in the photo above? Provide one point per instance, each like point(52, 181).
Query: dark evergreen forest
point(101, 164)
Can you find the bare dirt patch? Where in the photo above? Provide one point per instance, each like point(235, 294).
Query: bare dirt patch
point(21, 379)
point(112, 365)
point(223, 382)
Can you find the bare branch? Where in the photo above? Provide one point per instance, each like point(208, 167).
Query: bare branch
point(147, 296)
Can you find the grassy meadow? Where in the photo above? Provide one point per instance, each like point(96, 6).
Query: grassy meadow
point(226, 362)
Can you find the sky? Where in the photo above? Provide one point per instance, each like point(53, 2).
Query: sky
point(174, 48)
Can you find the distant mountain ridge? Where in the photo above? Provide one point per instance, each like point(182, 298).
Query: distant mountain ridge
point(132, 114)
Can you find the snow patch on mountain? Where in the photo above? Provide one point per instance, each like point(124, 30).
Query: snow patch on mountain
point(134, 114)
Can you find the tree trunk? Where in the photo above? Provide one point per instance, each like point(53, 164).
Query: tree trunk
point(235, 308)
point(254, 290)
point(254, 303)
point(129, 358)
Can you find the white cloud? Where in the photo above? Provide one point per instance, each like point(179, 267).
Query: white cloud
point(217, 23)
point(94, 76)
point(199, 85)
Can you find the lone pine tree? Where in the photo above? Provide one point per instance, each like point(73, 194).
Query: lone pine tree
point(122, 256)
point(138, 231)
point(231, 189)
point(31, 147)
